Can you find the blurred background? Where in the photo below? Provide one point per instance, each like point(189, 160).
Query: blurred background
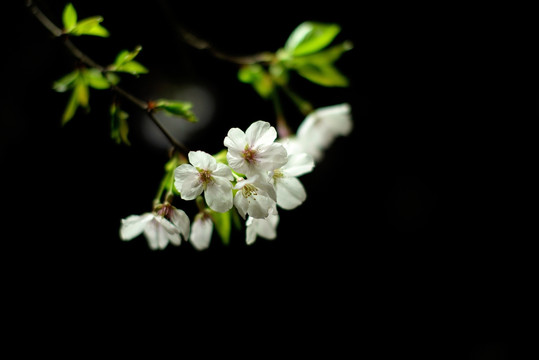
point(401, 235)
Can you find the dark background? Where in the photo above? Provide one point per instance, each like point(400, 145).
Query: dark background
point(405, 235)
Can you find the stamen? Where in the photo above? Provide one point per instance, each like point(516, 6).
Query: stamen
point(205, 176)
point(249, 154)
point(277, 174)
point(248, 190)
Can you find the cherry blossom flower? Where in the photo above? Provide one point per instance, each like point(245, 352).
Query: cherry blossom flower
point(254, 151)
point(320, 128)
point(289, 190)
point(205, 174)
point(266, 228)
point(165, 224)
point(255, 196)
point(201, 231)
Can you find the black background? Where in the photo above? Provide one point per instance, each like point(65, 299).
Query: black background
point(404, 245)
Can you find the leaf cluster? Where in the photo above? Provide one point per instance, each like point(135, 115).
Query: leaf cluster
point(307, 52)
point(79, 81)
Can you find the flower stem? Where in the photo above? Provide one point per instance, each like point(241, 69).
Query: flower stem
point(282, 127)
point(303, 105)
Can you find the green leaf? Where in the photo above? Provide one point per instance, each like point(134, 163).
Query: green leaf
point(319, 68)
point(124, 62)
point(310, 37)
point(79, 96)
point(222, 222)
point(90, 26)
point(95, 79)
point(126, 56)
point(132, 67)
point(112, 78)
point(69, 17)
point(82, 92)
point(326, 75)
point(119, 126)
point(255, 75)
point(177, 108)
point(71, 108)
point(66, 82)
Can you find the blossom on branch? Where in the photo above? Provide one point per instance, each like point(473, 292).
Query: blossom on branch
point(266, 228)
point(205, 174)
point(165, 224)
point(289, 190)
point(201, 231)
point(255, 196)
point(320, 128)
point(255, 150)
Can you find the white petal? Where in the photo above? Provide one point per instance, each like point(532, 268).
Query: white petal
point(235, 140)
point(298, 164)
point(273, 157)
point(134, 225)
point(180, 219)
point(236, 161)
point(223, 171)
point(292, 145)
point(187, 181)
point(260, 133)
point(175, 239)
point(152, 232)
point(218, 194)
point(290, 193)
point(241, 204)
point(259, 206)
point(250, 233)
point(202, 160)
point(337, 118)
point(263, 183)
point(267, 228)
point(201, 232)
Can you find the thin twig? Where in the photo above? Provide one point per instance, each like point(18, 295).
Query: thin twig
point(201, 44)
point(177, 145)
point(76, 52)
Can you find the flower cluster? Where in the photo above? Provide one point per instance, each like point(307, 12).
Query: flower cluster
point(258, 175)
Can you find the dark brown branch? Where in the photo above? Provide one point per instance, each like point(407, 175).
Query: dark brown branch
point(76, 52)
point(201, 44)
point(177, 145)
point(55, 30)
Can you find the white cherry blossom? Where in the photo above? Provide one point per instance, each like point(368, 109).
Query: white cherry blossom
point(289, 190)
point(255, 150)
point(266, 228)
point(201, 231)
point(320, 128)
point(165, 224)
point(205, 174)
point(255, 197)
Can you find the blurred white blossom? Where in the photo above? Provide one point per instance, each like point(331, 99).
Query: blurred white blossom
point(165, 224)
point(320, 128)
point(266, 228)
point(201, 231)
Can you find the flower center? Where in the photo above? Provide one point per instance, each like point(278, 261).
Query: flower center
point(277, 174)
point(248, 190)
point(204, 176)
point(163, 210)
point(249, 154)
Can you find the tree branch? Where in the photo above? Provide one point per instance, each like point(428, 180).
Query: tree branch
point(76, 52)
point(201, 44)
